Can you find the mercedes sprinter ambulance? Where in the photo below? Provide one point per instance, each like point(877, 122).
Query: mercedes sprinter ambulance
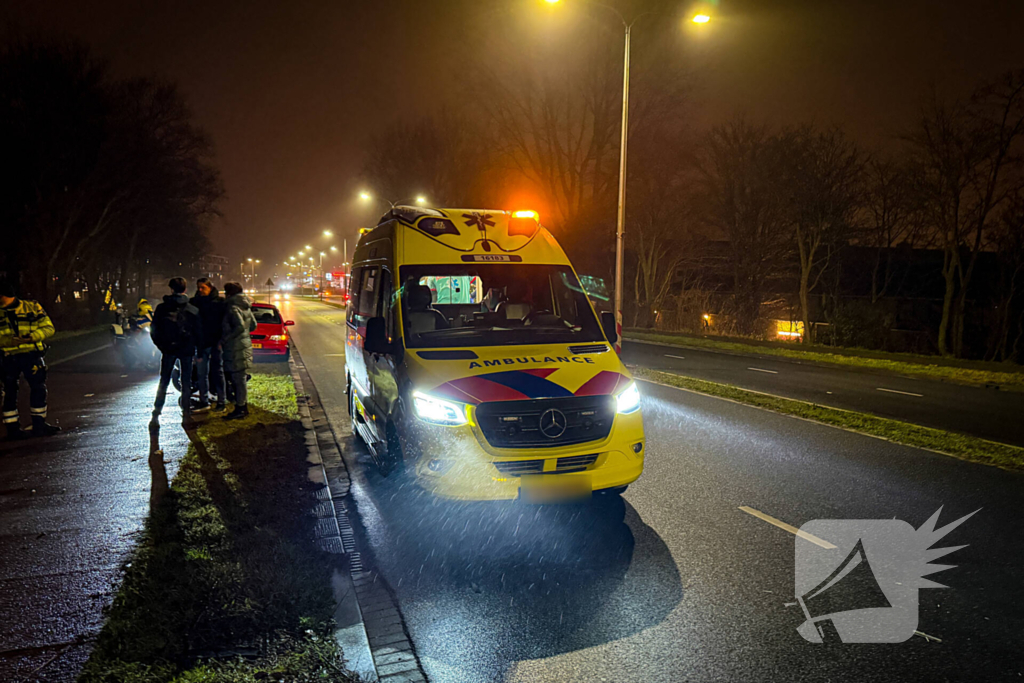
point(475, 360)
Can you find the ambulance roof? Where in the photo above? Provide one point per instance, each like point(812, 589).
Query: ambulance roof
point(436, 236)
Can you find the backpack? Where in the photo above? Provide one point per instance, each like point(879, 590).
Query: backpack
point(172, 331)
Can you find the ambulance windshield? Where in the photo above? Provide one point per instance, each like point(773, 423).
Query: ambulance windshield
point(494, 304)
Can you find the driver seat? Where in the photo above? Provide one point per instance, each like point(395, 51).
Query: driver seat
point(422, 317)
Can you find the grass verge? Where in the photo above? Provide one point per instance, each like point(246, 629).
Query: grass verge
point(949, 443)
point(976, 373)
point(227, 585)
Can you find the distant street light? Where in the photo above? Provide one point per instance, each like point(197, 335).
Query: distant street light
point(623, 141)
point(418, 199)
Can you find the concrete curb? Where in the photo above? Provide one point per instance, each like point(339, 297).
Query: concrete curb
point(350, 633)
point(388, 645)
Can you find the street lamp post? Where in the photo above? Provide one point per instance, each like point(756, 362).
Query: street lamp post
point(623, 143)
point(252, 278)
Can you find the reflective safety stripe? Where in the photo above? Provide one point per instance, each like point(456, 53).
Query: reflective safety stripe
point(10, 419)
point(10, 413)
point(38, 411)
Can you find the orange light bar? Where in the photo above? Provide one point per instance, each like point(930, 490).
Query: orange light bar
point(526, 214)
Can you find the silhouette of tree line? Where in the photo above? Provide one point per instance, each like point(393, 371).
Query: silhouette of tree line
point(106, 179)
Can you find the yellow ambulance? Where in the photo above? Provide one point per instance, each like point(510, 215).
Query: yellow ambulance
point(475, 361)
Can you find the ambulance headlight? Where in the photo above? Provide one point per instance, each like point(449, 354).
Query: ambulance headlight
point(438, 411)
point(629, 400)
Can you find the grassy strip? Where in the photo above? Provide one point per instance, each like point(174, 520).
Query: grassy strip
point(960, 371)
point(64, 335)
point(226, 585)
point(950, 443)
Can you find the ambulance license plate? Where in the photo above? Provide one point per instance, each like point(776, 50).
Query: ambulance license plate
point(555, 488)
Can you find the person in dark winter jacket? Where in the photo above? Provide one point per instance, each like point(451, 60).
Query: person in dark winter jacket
point(236, 345)
point(210, 305)
point(177, 332)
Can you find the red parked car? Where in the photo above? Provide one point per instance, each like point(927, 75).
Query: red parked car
point(270, 340)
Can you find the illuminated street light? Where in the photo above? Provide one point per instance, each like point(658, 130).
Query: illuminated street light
point(309, 248)
point(623, 143)
point(328, 233)
point(419, 199)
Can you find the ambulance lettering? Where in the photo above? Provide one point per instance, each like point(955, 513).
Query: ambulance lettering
point(532, 359)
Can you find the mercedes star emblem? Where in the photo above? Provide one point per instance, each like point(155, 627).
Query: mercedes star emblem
point(553, 423)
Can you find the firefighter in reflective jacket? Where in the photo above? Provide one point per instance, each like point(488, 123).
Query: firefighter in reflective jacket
point(24, 326)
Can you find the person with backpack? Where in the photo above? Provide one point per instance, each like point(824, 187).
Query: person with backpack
point(236, 345)
point(177, 331)
point(210, 305)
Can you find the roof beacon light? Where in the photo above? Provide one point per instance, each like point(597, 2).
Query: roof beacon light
point(523, 223)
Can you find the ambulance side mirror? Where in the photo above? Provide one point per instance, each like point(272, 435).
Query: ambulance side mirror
point(608, 323)
point(376, 340)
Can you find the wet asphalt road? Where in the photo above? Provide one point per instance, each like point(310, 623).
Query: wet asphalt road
point(676, 582)
point(988, 413)
point(71, 508)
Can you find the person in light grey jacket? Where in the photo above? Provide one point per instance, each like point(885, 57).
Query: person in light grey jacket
point(236, 345)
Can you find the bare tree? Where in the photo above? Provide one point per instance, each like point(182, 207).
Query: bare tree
point(1008, 243)
point(111, 174)
point(967, 162)
point(740, 166)
point(889, 217)
point(440, 155)
point(823, 177)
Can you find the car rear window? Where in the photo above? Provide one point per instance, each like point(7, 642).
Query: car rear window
point(267, 315)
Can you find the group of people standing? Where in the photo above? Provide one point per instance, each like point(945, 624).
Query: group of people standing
point(211, 332)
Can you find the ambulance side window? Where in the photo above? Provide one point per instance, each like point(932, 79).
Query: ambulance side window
point(385, 309)
point(353, 285)
point(365, 304)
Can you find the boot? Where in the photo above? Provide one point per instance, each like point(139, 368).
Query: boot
point(15, 432)
point(238, 413)
point(41, 428)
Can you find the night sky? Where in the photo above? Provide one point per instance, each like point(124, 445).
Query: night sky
point(290, 91)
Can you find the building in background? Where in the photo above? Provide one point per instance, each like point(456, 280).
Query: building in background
point(212, 266)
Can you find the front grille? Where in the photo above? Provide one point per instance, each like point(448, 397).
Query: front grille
point(573, 463)
point(517, 468)
point(517, 424)
point(257, 336)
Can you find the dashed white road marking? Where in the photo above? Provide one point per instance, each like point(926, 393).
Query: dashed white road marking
point(894, 391)
point(78, 355)
point(788, 527)
point(89, 395)
point(669, 355)
point(770, 372)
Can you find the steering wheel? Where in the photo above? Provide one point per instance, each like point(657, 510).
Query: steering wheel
point(533, 314)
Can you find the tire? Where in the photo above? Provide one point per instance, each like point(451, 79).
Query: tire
point(393, 461)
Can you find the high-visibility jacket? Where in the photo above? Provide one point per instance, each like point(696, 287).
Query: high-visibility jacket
point(24, 319)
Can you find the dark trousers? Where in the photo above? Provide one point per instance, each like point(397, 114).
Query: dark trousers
point(211, 374)
point(32, 366)
point(167, 362)
point(239, 380)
